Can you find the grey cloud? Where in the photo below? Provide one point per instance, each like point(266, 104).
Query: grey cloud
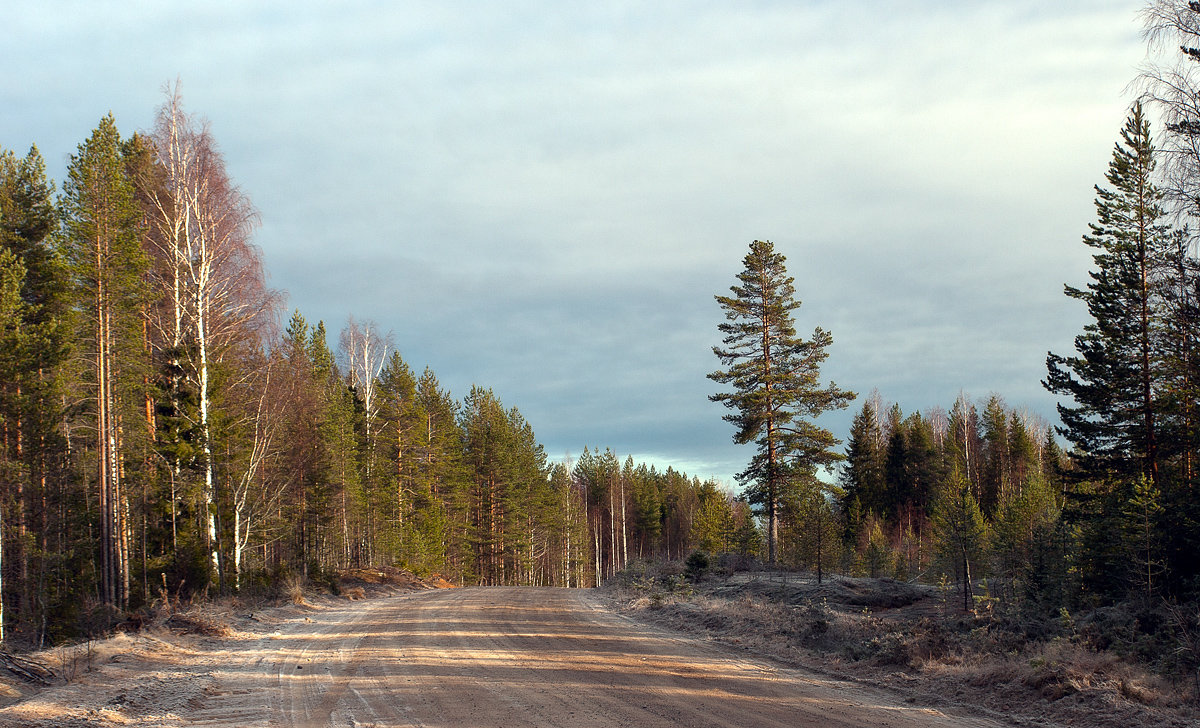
point(543, 198)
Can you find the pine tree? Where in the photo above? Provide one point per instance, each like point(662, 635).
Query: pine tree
point(399, 415)
point(12, 347)
point(1023, 529)
point(814, 536)
point(1114, 421)
point(1143, 528)
point(873, 545)
point(300, 512)
point(442, 471)
point(337, 488)
point(712, 528)
point(102, 247)
point(960, 532)
point(33, 387)
point(484, 444)
point(775, 375)
point(647, 510)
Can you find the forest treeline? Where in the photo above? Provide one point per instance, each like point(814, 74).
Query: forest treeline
point(982, 495)
point(166, 430)
point(165, 433)
point(975, 495)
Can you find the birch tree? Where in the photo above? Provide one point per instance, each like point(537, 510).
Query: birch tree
point(255, 495)
point(211, 273)
point(364, 353)
point(1173, 87)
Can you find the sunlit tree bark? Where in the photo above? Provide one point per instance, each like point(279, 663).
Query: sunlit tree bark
point(103, 248)
point(210, 271)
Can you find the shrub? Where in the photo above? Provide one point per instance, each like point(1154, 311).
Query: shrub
point(696, 566)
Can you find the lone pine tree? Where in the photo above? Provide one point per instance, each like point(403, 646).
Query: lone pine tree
point(775, 378)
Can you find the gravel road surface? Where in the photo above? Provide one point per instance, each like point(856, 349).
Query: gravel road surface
point(465, 657)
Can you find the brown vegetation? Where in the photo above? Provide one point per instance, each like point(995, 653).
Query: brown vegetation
point(912, 638)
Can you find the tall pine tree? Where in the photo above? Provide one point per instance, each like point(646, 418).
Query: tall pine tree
point(1114, 421)
point(103, 251)
point(775, 378)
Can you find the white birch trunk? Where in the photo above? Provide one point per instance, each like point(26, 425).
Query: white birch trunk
point(598, 527)
point(624, 533)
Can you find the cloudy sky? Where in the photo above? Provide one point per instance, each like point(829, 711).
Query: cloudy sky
point(544, 197)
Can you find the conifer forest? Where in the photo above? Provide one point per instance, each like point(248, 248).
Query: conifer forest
point(169, 429)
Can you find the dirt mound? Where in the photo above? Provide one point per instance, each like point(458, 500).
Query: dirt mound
point(199, 622)
point(842, 593)
point(389, 576)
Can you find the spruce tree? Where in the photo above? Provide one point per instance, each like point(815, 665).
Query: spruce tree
point(775, 376)
point(996, 484)
point(862, 473)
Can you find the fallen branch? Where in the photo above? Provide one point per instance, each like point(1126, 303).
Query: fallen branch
point(26, 668)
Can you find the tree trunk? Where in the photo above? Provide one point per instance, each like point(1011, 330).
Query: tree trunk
point(968, 588)
point(624, 536)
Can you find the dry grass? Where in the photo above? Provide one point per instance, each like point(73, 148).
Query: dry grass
point(912, 642)
point(293, 588)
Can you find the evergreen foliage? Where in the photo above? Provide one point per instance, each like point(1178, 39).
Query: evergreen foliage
point(106, 267)
point(161, 440)
point(1131, 422)
point(1114, 421)
point(961, 533)
point(775, 376)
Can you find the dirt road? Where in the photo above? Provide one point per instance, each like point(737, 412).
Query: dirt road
point(464, 657)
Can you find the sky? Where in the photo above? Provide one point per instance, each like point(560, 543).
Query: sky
point(544, 198)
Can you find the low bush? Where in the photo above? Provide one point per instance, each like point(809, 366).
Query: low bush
point(696, 565)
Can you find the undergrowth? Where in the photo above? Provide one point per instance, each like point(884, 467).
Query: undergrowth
point(1104, 660)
